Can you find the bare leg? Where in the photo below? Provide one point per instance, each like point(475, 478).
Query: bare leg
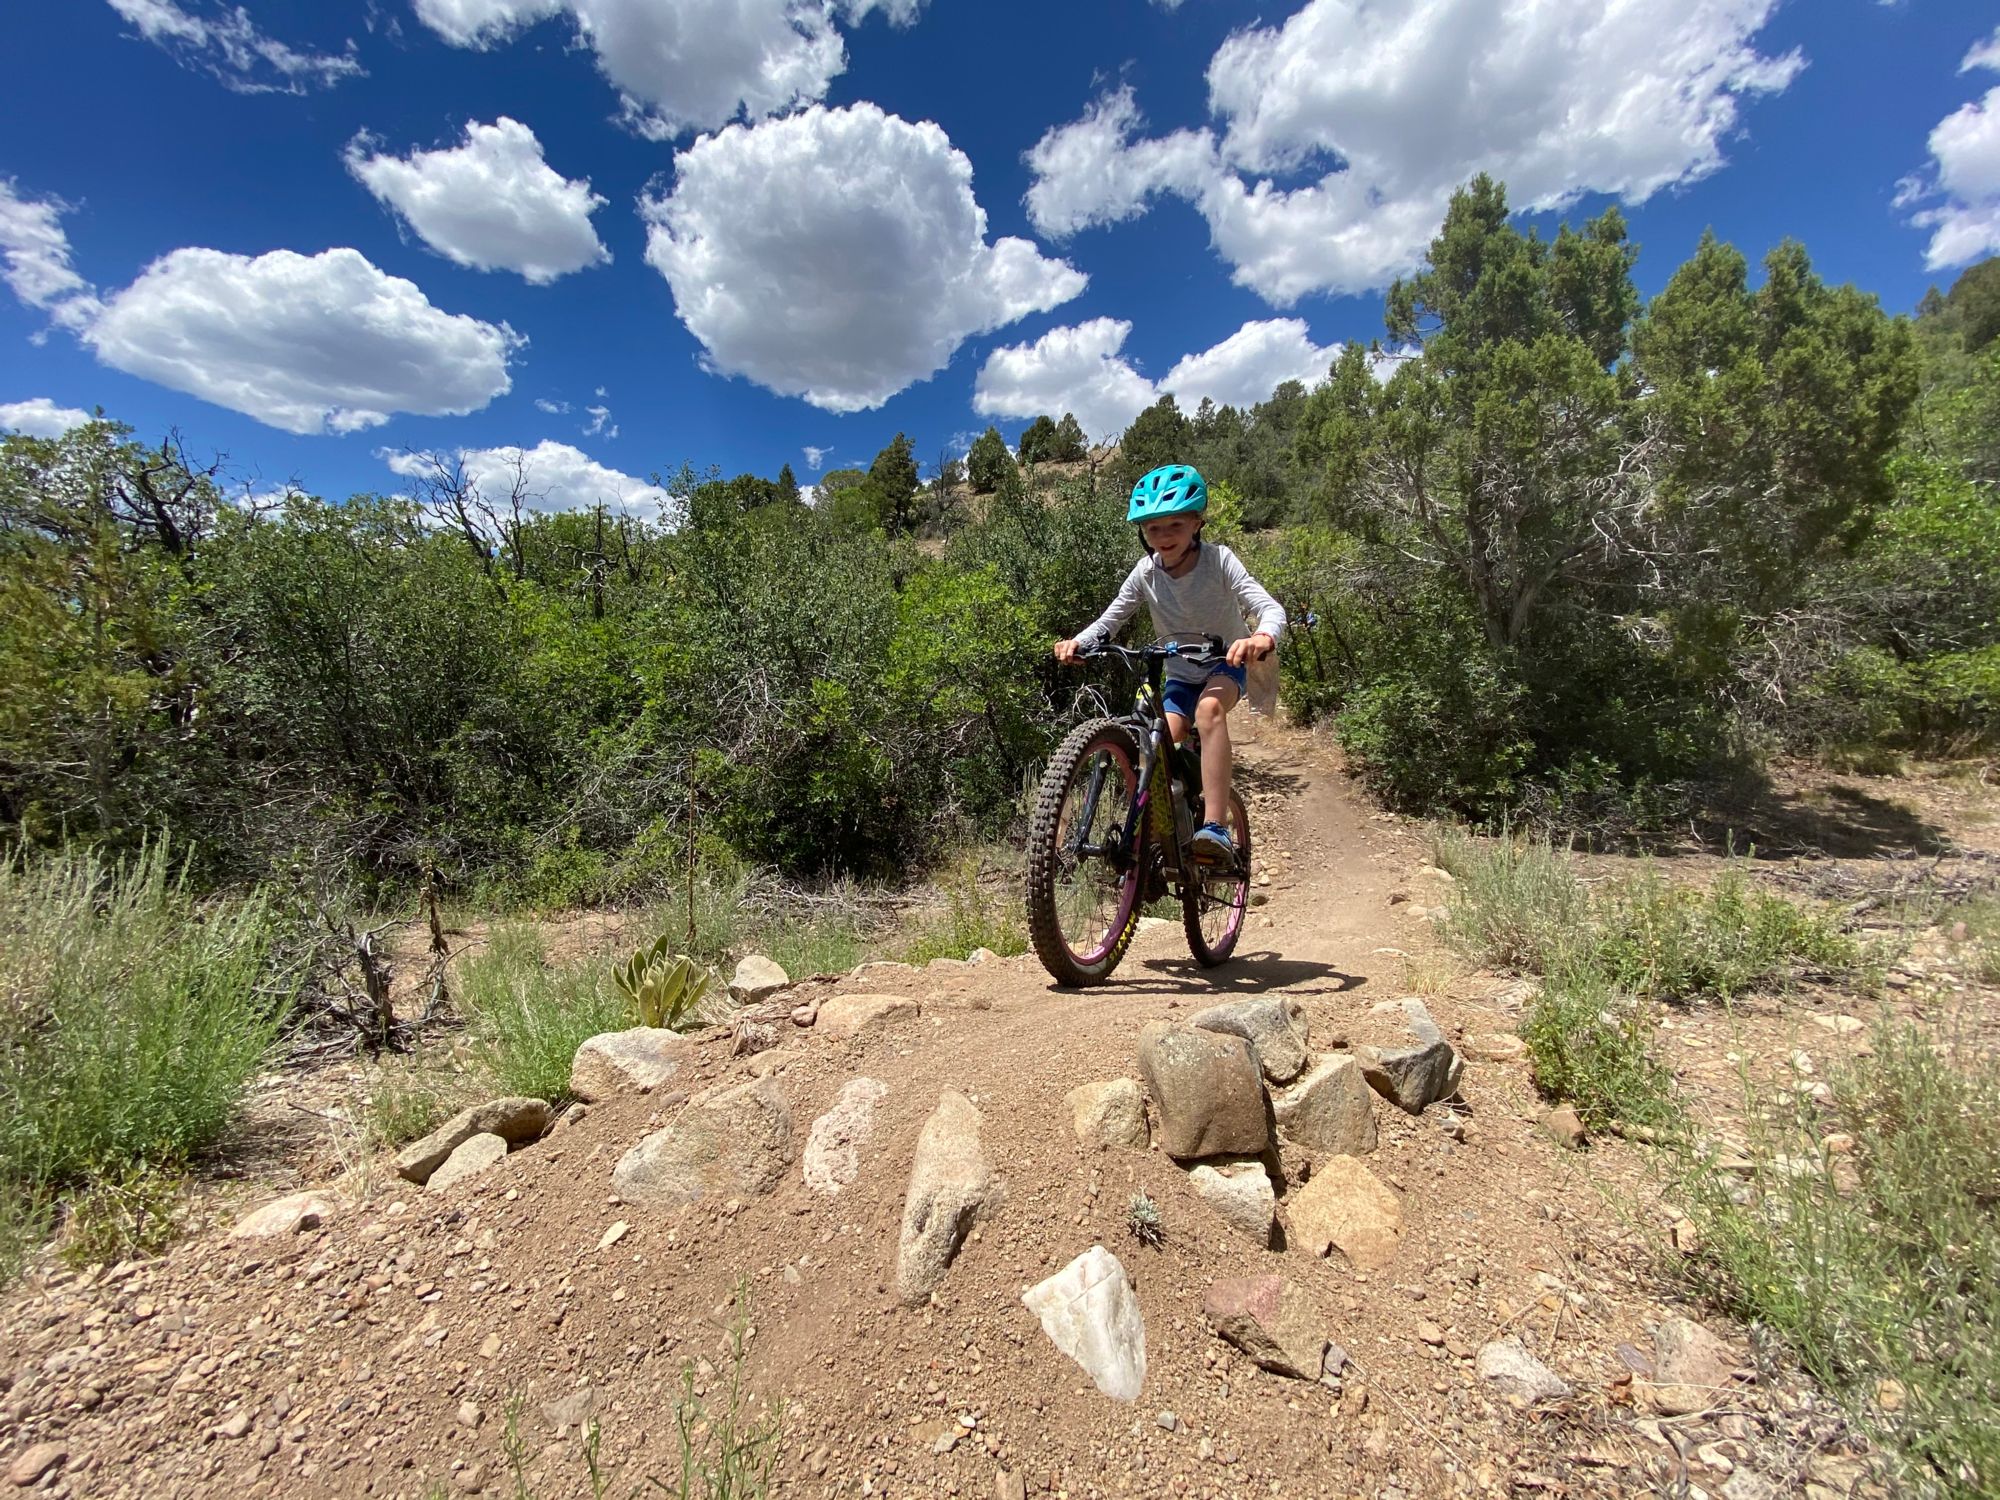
point(1211, 717)
point(1177, 726)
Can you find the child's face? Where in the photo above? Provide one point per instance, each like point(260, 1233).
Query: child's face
point(1170, 536)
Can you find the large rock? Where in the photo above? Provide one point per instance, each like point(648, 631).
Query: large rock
point(833, 1146)
point(1241, 1193)
point(1208, 1089)
point(843, 1016)
point(514, 1120)
point(1090, 1312)
point(1275, 1028)
point(1331, 1110)
point(1345, 1208)
point(292, 1214)
point(949, 1184)
point(628, 1062)
point(1404, 1056)
point(1111, 1113)
point(471, 1158)
point(1692, 1369)
point(756, 980)
point(730, 1141)
point(1506, 1365)
point(1271, 1320)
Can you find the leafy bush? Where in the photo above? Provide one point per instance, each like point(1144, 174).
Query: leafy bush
point(1673, 942)
point(1589, 1046)
point(1882, 1266)
point(531, 1016)
point(1517, 903)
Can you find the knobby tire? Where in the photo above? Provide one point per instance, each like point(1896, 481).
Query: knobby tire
point(1045, 856)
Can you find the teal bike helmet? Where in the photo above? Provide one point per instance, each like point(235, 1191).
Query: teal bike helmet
point(1171, 490)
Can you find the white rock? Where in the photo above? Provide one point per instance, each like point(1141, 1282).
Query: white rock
point(1090, 1312)
point(833, 1146)
point(756, 980)
point(843, 1016)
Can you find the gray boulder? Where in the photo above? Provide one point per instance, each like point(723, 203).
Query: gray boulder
point(1404, 1056)
point(729, 1141)
point(1110, 1113)
point(1209, 1091)
point(514, 1120)
point(949, 1184)
point(1275, 1028)
point(637, 1061)
point(471, 1158)
point(1331, 1110)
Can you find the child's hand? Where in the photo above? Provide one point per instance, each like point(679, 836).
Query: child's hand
point(1069, 653)
point(1249, 648)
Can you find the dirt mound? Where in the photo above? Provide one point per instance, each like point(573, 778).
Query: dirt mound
point(426, 1343)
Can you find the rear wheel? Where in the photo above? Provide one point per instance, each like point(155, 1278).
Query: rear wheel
point(1213, 901)
point(1083, 882)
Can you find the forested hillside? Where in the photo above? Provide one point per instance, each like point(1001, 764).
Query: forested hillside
point(1570, 552)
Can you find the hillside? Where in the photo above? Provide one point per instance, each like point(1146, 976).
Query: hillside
point(421, 1342)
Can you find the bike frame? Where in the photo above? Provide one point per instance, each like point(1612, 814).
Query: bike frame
point(1156, 746)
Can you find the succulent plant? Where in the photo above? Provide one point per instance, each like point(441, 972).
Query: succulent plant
point(1142, 1217)
point(664, 987)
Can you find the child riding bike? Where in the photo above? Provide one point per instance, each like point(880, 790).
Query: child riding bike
point(1191, 588)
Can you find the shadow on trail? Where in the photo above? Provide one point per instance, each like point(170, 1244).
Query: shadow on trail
point(1268, 778)
point(1247, 974)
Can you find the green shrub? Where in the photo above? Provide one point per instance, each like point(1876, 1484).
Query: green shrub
point(1517, 904)
point(1674, 942)
point(405, 1104)
point(131, 1210)
point(1888, 1268)
point(1588, 1042)
point(133, 1014)
point(530, 1016)
point(974, 916)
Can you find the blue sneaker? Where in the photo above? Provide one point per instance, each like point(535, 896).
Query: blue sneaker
point(1211, 846)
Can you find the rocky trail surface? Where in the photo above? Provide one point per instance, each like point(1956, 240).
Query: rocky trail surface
point(908, 1195)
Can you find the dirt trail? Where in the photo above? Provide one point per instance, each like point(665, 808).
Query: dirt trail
point(394, 1351)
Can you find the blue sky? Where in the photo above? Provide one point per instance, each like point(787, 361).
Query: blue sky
point(619, 235)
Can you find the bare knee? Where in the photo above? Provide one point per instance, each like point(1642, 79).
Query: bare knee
point(1210, 717)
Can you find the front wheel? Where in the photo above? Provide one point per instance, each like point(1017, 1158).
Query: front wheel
point(1213, 901)
point(1083, 881)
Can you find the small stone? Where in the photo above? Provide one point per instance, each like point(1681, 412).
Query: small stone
point(514, 1119)
point(1009, 1486)
point(1507, 1365)
point(36, 1462)
point(1404, 1055)
point(949, 1184)
point(1429, 1333)
point(1330, 1110)
point(1272, 1320)
point(1686, 1236)
point(756, 980)
point(804, 1015)
point(1891, 1395)
point(293, 1214)
point(1565, 1126)
point(833, 1146)
point(846, 1016)
point(980, 955)
point(469, 1414)
point(490, 1346)
point(1241, 1193)
point(1168, 1421)
point(638, 1060)
point(613, 1235)
point(1496, 1046)
point(232, 1426)
point(1693, 1368)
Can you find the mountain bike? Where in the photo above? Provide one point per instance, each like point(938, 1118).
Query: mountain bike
point(1109, 836)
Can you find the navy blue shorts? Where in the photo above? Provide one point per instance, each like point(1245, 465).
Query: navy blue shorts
point(1179, 697)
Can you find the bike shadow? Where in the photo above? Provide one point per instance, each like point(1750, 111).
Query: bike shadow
point(1246, 974)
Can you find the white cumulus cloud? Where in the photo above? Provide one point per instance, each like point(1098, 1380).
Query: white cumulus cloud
point(493, 203)
point(1964, 174)
point(1081, 369)
point(691, 64)
point(1247, 366)
point(553, 408)
point(307, 343)
point(1386, 106)
point(815, 457)
point(1077, 369)
point(553, 476)
point(838, 255)
point(223, 41)
point(40, 417)
point(35, 252)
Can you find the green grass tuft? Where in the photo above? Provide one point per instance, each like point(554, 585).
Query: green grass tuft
point(530, 1016)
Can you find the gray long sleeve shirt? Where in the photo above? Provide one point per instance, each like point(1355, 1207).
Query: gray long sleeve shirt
point(1214, 598)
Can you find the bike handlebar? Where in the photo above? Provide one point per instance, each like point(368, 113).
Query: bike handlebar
point(1209, 652)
